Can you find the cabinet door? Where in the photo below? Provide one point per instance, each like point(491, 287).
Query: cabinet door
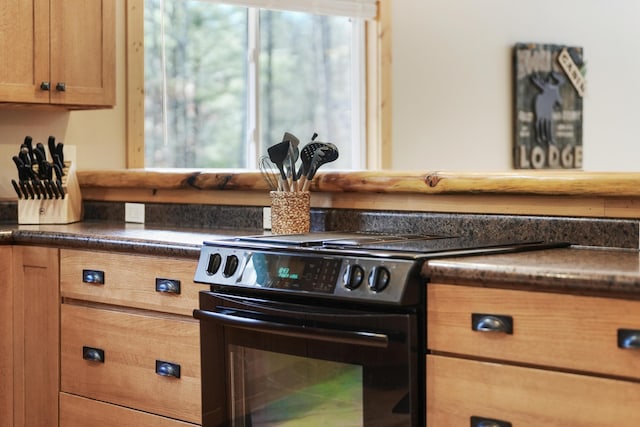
point(458, 389)
point(77, 411)
point(36, 320)
point(24, 50)
point(6, 338)
point(83, 52)
point(133, 347)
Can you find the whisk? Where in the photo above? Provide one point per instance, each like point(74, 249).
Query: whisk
point(270, 173)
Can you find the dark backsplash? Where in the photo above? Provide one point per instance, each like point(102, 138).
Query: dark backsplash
point(619, 233)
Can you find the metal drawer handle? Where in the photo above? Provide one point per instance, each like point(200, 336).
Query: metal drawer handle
point(488, 422)
point(93, 354)
point(168, 286)
point(167, 369)
point(94, 277)
point(629, 339)
point(492, 323)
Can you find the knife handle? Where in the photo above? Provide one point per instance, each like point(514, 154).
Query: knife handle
point(15, 187)
point(60, 188)
point(51, 143)
point(32, 195)
point(47, 186)
point(54, 189)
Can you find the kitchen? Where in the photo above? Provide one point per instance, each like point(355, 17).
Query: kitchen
point(577, 202)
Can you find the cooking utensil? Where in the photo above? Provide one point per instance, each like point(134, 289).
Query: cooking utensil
point(306, 155)
point(278, 153)
point(292, 158)
point(291, 138)
point(269, 172)
point(323, 155)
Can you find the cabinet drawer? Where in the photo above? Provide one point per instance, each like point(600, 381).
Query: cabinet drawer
point(130, 280)
point(135, 347)
point(76, 411)
point(458, 389)
point(565, 331)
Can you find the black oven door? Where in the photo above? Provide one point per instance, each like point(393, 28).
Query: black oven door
point(289, 364)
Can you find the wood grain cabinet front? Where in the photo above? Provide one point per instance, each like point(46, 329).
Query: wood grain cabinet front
point(531, 358)
point(146, 282)
point(58, 52)
point(135, 360)
point(76, 411)
point(463, 392)
point(129, 342)
point(6, 337)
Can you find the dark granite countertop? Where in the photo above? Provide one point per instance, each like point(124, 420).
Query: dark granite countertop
point(118, 237)
point(582, 270)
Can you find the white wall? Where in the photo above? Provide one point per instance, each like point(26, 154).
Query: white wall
point(451, 86)
point(452, 80)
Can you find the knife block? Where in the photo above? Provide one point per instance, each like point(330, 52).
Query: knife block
point(55, 211)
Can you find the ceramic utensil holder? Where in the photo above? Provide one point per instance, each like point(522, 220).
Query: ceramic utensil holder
point(51, 210)
point(290, 212)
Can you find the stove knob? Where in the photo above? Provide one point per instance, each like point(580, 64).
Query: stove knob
point(379, 279)
point(353, 276)
point(215, 260)
point(230, 266)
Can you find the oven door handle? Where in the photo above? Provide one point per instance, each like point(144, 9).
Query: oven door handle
point(370, 339)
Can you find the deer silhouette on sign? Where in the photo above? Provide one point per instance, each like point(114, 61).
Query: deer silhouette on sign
point(544, 104)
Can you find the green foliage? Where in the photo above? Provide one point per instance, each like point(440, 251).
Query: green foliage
point(304, 82)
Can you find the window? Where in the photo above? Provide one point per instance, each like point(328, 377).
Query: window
point(223, 82)
point(378, 79)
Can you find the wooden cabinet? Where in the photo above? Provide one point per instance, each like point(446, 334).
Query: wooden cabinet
point(36, 336)
point(6, 337)
point(76, 411)
point(130, 345)
point(59, 52)
point(531, 358)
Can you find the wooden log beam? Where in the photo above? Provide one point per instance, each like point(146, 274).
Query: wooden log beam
point(561, 183)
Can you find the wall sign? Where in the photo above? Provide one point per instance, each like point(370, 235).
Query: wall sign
point(549, 88)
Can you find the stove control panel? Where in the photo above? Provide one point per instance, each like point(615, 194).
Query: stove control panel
point(347, 277)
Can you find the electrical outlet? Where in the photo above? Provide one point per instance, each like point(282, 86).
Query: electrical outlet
point(134, 212)
point(266, 218)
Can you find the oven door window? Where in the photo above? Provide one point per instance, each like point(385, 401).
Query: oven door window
point(275, 389)
point(290, 364)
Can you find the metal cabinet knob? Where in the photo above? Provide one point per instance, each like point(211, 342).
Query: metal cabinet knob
point(61, 87)
point(488, 422)
point(167, 369)
point(629, 339)
point(168, 286)
point(45, 86)
point(491, 323)
point(93, 354)
point(94, 277)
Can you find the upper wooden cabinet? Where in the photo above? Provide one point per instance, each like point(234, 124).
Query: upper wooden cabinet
point(59, 52)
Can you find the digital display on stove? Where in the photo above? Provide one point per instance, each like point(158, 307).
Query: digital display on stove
point(292, 272)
